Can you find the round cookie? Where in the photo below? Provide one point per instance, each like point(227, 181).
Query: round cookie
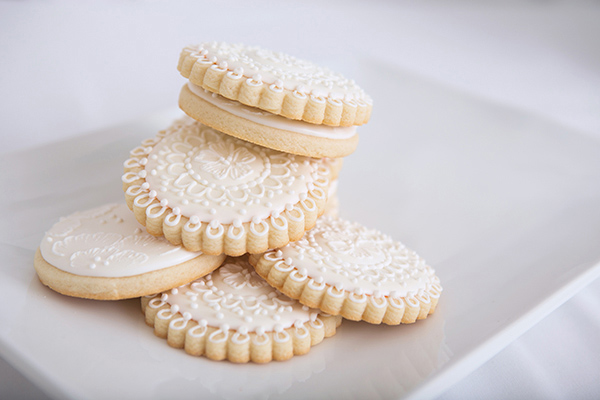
point(269, 130)
point(346, 269)
point(276, 82)
point(272, 99)
point(217, 194)
point(104, 254)
point(232, 314)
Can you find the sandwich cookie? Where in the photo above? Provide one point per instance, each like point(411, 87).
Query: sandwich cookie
point(272, 99)
point(214, 193)
point(233, 314)
point(105, 254)
point(343, 268)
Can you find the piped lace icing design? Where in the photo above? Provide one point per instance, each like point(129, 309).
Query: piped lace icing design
point(211, 177)
point(271, 67)
point(272, 120)
point(276, 82)
point(351, 257)
point(108, 242)
point(235, 297)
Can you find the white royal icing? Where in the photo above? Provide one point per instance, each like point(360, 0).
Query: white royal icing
point(235, 297)
point(332, 208)
point(282, 70)
point(272, 120)
point(108, 242)
point(350, 257)
point(208, 176)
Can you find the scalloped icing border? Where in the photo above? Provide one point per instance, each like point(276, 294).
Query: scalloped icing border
point(232, 345)
point(291, 104)
point(375, 310)
point(270, 233)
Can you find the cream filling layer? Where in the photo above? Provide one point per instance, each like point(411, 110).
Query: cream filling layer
point(271, 120)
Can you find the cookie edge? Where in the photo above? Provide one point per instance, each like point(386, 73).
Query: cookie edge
point(273, 138)
point(175, 328)
point(404, 310)
point(120, 288)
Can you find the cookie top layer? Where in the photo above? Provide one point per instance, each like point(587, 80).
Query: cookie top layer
point(276, 82)
point(271, 67)
point(107, 241)
point(352, 258)
point(208, 176)
point(220, 195)
point(235, 297)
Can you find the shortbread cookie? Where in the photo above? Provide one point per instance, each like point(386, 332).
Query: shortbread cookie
point(233, 314)
point(344, 268)
point(269, 130)
point(105, 254)
point(276, 82)
point(272, 99)
point(217, 194)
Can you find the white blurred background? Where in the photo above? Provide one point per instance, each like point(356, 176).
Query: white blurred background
point(72, 67)
point(69, 68)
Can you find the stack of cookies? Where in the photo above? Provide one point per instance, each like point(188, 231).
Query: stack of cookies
point(230, 231)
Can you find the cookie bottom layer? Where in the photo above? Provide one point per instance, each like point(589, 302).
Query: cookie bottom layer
point(103, 288)
point(277, 139)
point(234, 346)
point(375, 310)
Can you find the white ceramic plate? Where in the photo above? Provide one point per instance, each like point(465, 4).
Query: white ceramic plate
point(504, 205)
